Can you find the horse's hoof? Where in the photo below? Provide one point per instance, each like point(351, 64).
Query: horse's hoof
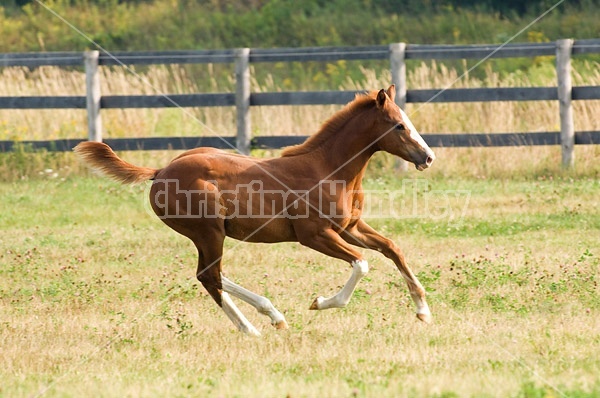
point(281, 325)
point(425, 318)
point(315, 304)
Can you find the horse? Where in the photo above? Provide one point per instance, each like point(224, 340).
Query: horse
point(311, 194)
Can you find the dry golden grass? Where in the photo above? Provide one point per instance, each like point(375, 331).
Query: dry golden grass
point(439, 118)
point(305, 120)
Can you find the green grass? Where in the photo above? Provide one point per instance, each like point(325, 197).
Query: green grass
point(98, 298)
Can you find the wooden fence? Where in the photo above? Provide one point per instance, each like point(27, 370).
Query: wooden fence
point(243, 99)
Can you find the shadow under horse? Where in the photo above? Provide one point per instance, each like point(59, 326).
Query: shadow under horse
point(312, 194)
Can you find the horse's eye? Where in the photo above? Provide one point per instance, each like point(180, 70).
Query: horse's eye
point(400, 127)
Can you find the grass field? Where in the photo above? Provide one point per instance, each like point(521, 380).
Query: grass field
point(98, 297)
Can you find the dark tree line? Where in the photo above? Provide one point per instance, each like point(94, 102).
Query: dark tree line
point(503, 7)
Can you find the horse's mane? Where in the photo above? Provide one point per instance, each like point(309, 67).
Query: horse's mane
point(332, 125)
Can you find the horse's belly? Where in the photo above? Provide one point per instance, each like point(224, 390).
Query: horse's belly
point(267, 230)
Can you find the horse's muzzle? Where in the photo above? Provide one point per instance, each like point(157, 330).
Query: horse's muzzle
point(428, 161)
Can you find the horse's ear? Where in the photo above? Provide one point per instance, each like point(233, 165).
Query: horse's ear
point(381, 98)
point(391, 92)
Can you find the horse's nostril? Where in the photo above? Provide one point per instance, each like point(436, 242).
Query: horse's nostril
point(429, 160)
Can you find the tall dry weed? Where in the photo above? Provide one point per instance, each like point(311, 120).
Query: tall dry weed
point(467, 117)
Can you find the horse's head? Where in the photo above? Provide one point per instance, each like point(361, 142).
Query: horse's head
point(399, 135)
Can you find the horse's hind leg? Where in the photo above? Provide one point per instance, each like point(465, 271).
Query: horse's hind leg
point(209, 274)
point(262, 304)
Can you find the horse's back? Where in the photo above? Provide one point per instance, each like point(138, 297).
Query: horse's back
point(224, 184)
point(203, 151)
point(205, 164)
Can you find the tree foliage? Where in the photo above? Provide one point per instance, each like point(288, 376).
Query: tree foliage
point(200, 24)
point(505, 7)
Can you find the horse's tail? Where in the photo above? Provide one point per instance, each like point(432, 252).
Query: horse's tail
point(101, 158)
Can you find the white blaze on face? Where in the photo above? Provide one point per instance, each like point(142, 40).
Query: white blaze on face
point(414, 134)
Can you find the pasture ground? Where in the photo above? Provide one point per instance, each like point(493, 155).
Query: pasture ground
point(98, 297)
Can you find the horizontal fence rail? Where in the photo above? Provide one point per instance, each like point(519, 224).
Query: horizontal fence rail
point(277, 142)
point(295, 98)
point(324, 54)
point(243, 99)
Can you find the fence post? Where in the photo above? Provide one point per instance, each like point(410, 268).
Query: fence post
point(92, 93)
point(567, 128)
point(398, 69)
point(242, 99)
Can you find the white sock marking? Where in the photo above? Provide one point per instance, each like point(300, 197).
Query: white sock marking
point(341, 299)
point(262, 304)
point(236, 316)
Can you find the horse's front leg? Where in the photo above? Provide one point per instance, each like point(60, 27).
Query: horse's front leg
point(342, 298)
point(364, 236)
point(330, 243)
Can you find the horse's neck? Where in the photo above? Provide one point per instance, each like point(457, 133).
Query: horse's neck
point(347, 154)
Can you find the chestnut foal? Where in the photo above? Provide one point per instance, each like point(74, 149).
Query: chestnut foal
point(312, 194)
